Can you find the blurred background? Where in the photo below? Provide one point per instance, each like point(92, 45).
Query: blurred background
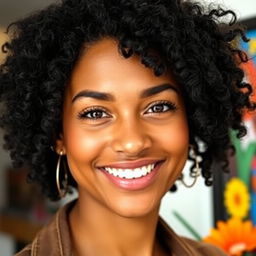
point(23, 210)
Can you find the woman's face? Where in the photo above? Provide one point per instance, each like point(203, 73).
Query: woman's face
point(125, 131)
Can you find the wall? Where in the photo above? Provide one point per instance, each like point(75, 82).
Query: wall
point(193, 204)
point(244, 9)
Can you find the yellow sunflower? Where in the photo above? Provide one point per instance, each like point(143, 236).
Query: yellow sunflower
point(237, 199)
point(234, 236)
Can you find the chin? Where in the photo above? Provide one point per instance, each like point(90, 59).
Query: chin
point(135, 210)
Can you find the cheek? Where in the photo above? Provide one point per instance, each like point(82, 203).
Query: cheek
point(81, 145)
point(175, 138)
point(82, 149)
point(175, 142)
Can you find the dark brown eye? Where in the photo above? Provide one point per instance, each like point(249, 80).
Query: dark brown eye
point(93, 114)
point(162, 107)
point(159, 108)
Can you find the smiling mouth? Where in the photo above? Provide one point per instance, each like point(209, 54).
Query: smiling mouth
point(133, 173)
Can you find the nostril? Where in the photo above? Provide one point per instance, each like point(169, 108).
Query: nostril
point(131, 144)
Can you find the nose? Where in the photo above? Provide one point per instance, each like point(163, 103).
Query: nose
point(131, 139)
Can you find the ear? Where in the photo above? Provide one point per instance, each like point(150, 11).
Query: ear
point(60, 145)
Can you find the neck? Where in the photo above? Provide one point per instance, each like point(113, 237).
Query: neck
point(98, 231)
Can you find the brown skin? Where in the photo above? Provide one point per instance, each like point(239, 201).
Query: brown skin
point(108, 220)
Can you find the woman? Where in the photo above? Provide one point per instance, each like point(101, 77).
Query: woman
point(112, 97)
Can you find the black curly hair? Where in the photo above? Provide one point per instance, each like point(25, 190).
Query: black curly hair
point(191, 40)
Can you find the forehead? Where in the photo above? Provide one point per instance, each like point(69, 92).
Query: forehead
point(102, 67)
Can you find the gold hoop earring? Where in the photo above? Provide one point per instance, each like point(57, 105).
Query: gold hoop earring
point(62, 191)
point(194, 174)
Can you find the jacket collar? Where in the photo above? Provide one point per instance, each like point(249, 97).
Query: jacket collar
point(55, 238)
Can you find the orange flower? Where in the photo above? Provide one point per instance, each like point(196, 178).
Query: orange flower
point(234, 236)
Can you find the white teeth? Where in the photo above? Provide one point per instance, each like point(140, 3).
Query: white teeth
point(130, 173)
point(145, 170)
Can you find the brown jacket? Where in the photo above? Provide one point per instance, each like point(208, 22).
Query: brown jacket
point(54, 240)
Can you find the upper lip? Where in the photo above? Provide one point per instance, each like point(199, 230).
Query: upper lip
point(132, 164)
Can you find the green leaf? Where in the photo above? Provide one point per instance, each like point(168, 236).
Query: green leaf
point(187, 226)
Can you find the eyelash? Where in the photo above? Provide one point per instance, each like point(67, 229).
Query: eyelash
point(84, 114)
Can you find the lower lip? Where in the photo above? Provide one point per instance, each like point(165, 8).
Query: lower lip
point(134, 184)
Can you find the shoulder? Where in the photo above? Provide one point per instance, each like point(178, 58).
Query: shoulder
point(53, 238)
point(204, 248)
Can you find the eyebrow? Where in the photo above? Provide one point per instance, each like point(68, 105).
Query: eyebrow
point(157, 89)
point(109, 97)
